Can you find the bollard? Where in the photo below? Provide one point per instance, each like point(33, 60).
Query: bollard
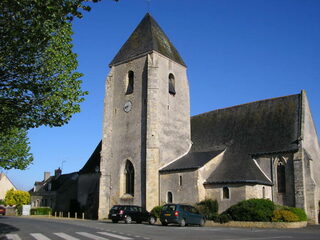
point(55, 214)
point(83, 216)
point(75, 215)
point(68, 214)
point(49, 214)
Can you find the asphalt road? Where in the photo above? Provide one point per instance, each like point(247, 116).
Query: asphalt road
point(25, 228)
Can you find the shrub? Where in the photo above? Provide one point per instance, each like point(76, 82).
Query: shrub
point(260, 210)
point(284, 216)
point(222, 218)
point(156, 211)
point(299, 212)
point(41, 211)
point(208, 208)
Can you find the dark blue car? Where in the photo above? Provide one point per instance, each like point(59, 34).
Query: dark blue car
point(181, 214)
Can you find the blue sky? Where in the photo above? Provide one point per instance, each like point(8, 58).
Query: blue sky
point(237, 51)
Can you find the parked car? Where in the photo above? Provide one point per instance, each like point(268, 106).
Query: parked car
point(181, 214)
point(2, 211)
point(129, 213)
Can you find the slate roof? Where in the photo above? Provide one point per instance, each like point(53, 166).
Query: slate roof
point(93, 162)
point(191, 161)
point(147, 37)
point(262, 127)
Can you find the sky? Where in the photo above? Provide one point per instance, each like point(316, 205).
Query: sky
point(237, 51)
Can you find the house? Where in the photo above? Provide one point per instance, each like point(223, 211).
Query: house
point(5, 185)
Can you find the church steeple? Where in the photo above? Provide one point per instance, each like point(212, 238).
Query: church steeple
point(147, 37)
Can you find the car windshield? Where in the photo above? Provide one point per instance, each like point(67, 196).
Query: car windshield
point(169, 207)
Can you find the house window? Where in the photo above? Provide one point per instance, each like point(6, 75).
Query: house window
point(172, 88)
point(180, 180)
point(130, 82)
point(281, 177)
point(225, 193)
point(263, 192)
point(129, 176)
point(169, 197)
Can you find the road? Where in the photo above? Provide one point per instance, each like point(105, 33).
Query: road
point(27, 228)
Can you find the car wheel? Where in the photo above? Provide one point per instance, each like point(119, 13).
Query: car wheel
point(182, 222)
point(164, 223)
point(202, 221)
point(114, 221)
point(152, 220)
point(128, 220)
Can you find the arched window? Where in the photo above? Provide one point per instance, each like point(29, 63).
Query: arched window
point(129, 174)
point(180, 180)
point(263, 192)
point(130, 82)
point(169, 197)
point(226, 194)
point(281, 177)
point(172, 87)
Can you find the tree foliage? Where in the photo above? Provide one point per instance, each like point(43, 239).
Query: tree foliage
point(39, 84)
point(14, 149)
point(17, 197)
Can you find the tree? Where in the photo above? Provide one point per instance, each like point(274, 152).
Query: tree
point(39, 84)
point(14, 149)
point(17, 197)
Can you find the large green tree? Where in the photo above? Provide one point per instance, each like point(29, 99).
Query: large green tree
point(39, 84)
point(14, 149)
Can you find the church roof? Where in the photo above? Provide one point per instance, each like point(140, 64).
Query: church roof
point(93, 162)
point(262, 127)
point(147, 37)
point(191, 161)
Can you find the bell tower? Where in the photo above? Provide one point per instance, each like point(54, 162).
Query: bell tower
point(146, 118)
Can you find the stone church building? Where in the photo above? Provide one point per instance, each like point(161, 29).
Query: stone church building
point(153, 153)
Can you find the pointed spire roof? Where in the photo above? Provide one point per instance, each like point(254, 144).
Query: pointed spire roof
point(147, 37)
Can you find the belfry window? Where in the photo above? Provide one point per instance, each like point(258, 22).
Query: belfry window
point(130, 82)
point(281, 177)
point(172, 88)
point(129, 174)
point(225, 193)
point(169, 197)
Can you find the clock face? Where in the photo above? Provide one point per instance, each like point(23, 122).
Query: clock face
point(127, 106)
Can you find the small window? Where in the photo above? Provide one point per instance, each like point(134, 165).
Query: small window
point(172, 87)
point(129, 174)
point(263, 192)
point(169, 200)
point(130, 82)
point(180, 180)
point(226, 193)
point(281, 177)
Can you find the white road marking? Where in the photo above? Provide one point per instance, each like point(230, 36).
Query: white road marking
point(66, 236)
point(258, 238)
point(91, 236)
point(13, 237)
point(39, 236)
point(114, 235)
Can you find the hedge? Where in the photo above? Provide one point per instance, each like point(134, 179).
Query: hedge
point(41, 211)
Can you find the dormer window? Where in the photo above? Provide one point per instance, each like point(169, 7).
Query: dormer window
point(130, 82)
point(172, 88)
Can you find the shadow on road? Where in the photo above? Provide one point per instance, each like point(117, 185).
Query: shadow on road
point(5, 228)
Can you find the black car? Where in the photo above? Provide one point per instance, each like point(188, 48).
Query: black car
point(129, 213)
point(181, 214)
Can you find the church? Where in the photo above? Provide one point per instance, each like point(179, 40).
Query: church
point(153, 152)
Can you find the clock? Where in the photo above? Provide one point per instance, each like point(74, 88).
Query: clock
point(127, 106)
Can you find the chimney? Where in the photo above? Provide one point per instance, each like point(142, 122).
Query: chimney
point(57, 172)
point(46, 176)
